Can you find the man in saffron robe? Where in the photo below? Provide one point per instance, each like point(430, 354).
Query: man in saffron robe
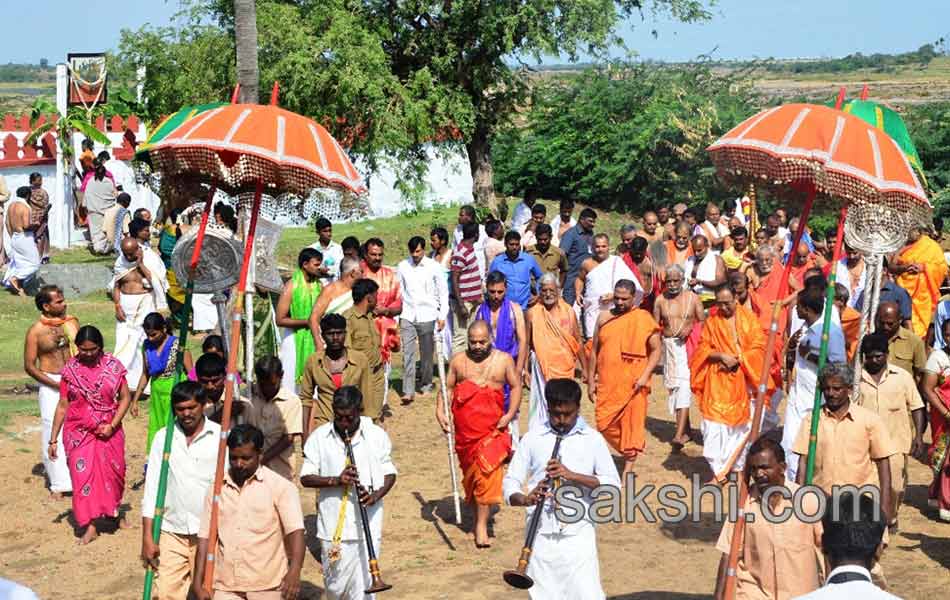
point(554, 338)
point(639, 261)
point(920, 268)
point(850, 320)
point(725, 370)
point(474, 380)
point(679, 249)
point(625, 351)
point(388, 303)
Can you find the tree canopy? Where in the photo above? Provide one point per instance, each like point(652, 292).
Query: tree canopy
point(386, 77)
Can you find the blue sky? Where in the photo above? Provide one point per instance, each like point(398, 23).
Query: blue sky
point(739, 28)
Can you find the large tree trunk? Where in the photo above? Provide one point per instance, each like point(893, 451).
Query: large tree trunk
point(245, 32)
point(479, 160)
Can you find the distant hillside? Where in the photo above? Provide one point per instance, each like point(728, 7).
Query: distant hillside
point(14, 73)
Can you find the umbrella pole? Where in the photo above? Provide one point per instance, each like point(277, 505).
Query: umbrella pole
point(179, 370)
point(739, 526)
point(823, 350)
point(249, 313)
point(229, 395)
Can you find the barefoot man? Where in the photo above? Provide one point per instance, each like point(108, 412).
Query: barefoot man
point(677, 311)
point(475, 381)
point(595, 283)
point(725, 371)
point(18, 243)
point(626, 349)
point(554, 338)
point(49, 344)
point(920, 268)
point(137, 290)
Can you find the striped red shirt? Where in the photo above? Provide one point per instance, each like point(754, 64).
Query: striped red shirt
point(465, 263)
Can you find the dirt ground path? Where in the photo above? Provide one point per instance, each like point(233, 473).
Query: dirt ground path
point(424, 554)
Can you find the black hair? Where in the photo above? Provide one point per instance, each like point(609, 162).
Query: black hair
point(626, 284)
point(268, 366)
point(588, 213)
point(210, 365)
point(566, 203)
point(468, 209)
point(322, 223)
point(155, 322)
point(441, 233)
point(308, 254)
point(332, 322)
point(211, 342)
point(415, 242)
point(938, 221)
point(348, 397)
point(767, 443)
point(512, 235)
point(103, 155)
point(124, 199)
point(24, 192)
point(739, 231)
point(89, 333)
point(373, 241)
point(188, 390)
point(562, 391)
point(539, 209)
point(639, 244)
point(493, 226)
point(363, 288)
point(136, 225)
point(139, 212)
point(543, 229)
point(853, 529)
point(34, 176)
point(496, 277)
point(841, 292)
point(469, 231)
point(245, 434)
point(874, 342)
point(816, 282)
point(45, 295)
point(813, 299)
point(350, 243)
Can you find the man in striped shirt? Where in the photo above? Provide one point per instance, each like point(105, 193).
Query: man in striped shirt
point(466, 285)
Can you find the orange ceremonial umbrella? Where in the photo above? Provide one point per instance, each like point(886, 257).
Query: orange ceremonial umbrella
point(819, 151)
point(237, 145)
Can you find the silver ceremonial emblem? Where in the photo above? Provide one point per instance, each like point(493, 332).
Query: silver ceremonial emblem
point(219, 264)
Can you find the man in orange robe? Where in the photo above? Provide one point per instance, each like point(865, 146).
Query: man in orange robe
point(850, 320)
point(475, 381)
point(725, 370)
point(679, 249)
point(920, 268)
point(554, 337)
point(625, 351)
point(388, 304)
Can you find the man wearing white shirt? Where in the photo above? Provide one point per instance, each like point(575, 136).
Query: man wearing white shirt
point(806, 342)
point(425, 307)
point(852, 539)
point(332, 251)
point(563, 221)
point(191, 467)
point(564, 561)
point(467, 215)
point(326, 467)
point(522, 212)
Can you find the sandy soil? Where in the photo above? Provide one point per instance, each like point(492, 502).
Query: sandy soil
point(425, 555)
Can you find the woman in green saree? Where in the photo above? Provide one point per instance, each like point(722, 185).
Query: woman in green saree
point(159, 352)
point(293, 311)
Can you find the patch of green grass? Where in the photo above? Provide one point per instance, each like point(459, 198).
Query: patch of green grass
point(17, 405)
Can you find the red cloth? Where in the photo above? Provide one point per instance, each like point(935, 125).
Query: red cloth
point(476, 411)
point(648, 299)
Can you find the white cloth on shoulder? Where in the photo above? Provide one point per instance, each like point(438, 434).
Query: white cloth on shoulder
point(676, 374)
point(56, 470)
point(20, 248)
point(538, 416)
point(157, 283)
point(599, 282)
point(130, 335)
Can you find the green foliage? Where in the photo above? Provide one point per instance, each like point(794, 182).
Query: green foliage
point(12, 73)
point(77, 119)
point(929, 126)
point(879, 63)
point(624, 136)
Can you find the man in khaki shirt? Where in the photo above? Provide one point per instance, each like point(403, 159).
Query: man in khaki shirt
point(891, 393)
point(277, 413)
point(550, 258)
point(328, 370)
point(362, 336)
point(776, 560)
point(260, 545)
point(905, 349)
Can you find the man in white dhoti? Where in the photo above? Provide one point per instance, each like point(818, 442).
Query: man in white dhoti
point(138, 288)
point(564, 563)
point(326, 467)
point(677, 311)
point(705, 271)
point(554, 337)
point(48, 345)
point(18, 243)
point(594, 286)
point(806, 341)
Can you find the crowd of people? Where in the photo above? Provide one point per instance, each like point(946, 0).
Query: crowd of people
point(557, 307)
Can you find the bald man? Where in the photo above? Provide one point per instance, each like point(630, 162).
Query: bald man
point(475, 381)
point(651, 228)
point(904, 348)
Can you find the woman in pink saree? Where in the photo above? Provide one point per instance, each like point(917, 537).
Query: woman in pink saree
point(94, 398)
point(936, 389)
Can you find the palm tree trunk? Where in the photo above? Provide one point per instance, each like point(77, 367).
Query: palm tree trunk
point(245, 32)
